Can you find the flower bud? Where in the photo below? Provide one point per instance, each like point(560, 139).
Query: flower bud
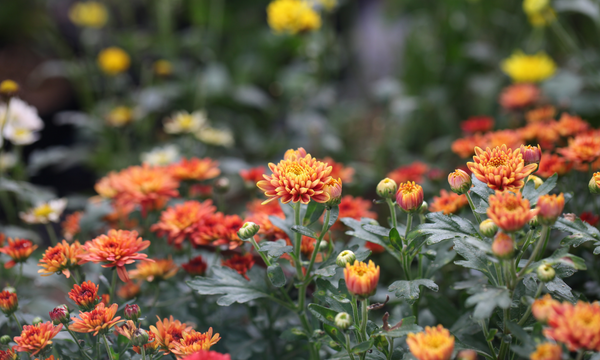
point(387, 188)
point(488, 228)
point(409, 196)
point(140, 337)
point(343, 320)
point(248, 230)
point(37, 320)
point(545, 273)
point(550, 208)
point(593, 184)
point(423, 207)
point(503, 246)
point(345, 257)
point(362, 278)
point(132, 312)
point(460, 181)
point(334, 189)
point(537, 182)
point(5, 339)
point(8, 89)
point(222, 185)
point(534, 222)
point(60, 315)
point(466, 355)
point(531, 154)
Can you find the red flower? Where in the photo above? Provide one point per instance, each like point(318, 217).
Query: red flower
point(19, 250)
point(219, 229)
point(240, 263)
point(477, 124)
point(180, 221)
point(196, 266)
point(589, 218)
point(208, 355)
point(413, 172)
point(253, 175)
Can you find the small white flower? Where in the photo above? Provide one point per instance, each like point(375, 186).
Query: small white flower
point(7, 161)
point(44, 213)
point(216, 137)
point(19, 135)
point(22, 123)
point(184, 122)
point(161, 155)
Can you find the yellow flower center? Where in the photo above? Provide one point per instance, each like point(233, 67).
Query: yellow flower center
point(497, 161)
point(42, 210)
point(296, 169)
point(186, 121)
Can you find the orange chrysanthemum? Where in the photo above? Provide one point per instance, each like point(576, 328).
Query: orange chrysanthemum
point(510, 138)
point(98, 321)
point(217, 230)
point(34, 338)
point(477, 124)
point(355, 208)
point(196, 266)
point(543, 113)
point(510, 212)
point(9, 302)
point(60, 258)
point(126, 329)
point(448, 202)
point(465, 147)
point(550, 208)
point(544, 132)
point(8, 354)
point(85, 296)
point(413, 172)
point(19, 250)
point(577, 326)
point(570, 125)
point(584, 148)
point(546, 351)
point(435, 343)
point(129, 290)
point(194, 341)
point(362, 278)
point(240, 263)
point(116, 249)
point(70, 226)
point(409, 196)
point(519, 96)
point(253, 175)
point(339, 171)
point(297, 179)
point(195, 169)
point(168, 332)
point(179, 222)
point(108, 186)
point(553, 164)
point(259, 214)
point(159, 269)
point(119, 218)
point(501, 168)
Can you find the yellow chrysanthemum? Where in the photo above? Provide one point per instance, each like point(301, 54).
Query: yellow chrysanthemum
point(113, 60)
point(292, 16)
point(524, 68)
point(435, 343)
point(546, 351)
point(91, 14)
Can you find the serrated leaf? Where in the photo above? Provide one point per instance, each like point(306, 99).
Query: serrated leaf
point(475, 257)
point(480, 188)
point(276, 248)
point(532, 194)
point(410, 290)
point(377, 230)
point(486, 299)
point(395, 239)
point(276, 275)
point(444, 256)
point(408, 326)
point(313, 213)
point(327, 271)
point(363, 346)
point(305, 231)
point(580, 231)
point(324, 314)
point(443, 227)
point(233, 286)
point(559, 288)
point(359, 232)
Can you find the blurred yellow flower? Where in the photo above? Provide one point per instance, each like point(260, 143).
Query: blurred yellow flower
point(215, 137)
point(539, 12)
point(292, 16)
point(328, 5)
point(113, 60)
point(163, 68)
point(183, 122)
point(91, 14)
point(528, 68)
point(535, 6)
point(119, 116)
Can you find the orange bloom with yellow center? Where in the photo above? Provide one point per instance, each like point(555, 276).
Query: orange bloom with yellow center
point(339, 170)
point(8, 302)
point(577, 326)
point(510, 212)
point(60, 258)
point(195, 169)
point(34, 338)
point(194, 341)
point(70, 226)
point(448, 202)
point(19, 250)
point(159, 269)
point(361, 278)
point(219, 229)
point(569, 125)
point(179, 222)
point(297, 179)
point(409, 196)
point(464, 147)
point(501, 168)
point(541, 114)
point(546, 351)
point(435, 343)
point(413, 172)
point(584, 148)
point(168, 332)
point(116, 249)
point(8, 354)
point(240, 263)
point(148, 186)
point(85, 296)
point(553, 164)
point(519, 96)
point(98, 321)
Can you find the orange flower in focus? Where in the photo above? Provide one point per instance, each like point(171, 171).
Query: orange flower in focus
point(8, 302)
point(339, 171)
point(448, 202)
point(126, 329)
point(70, 226)
point(355, 208)
point(34, 338)
point(584, 148)
point(435, 343)
point(543, 113)
point(129, 290)
point(60, 258)
point(195, 169)
point(219, 229)
point(553, 164)
point(99, 320)
point(19, 250)
point(194, 341)
point(158, 270)
point(519, 96)
point(569, 125)
point(413, 172)
point(547, 351)
point(577, 326)
point(296, 179)
point(544, 307)
point(8, 354)
point(510, 212)
point(86, 295)
point(361, 279)
point(409, 196)
point(253, 175)
point(477, 124)
point(116, 249)
point(465, 147)
point(168, 332)
point(501, 168)
point(196, 266)
point(240, 263)
point(179, 221)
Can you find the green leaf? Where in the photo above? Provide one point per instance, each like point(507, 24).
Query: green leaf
point(491, 334)
point(475, 257)
point(334, 334)
point(334, 213)
point(443, 227)
point(395, 239)
point(444, 256)
point(526, 343)
point(532, 194)
point(233, 286)
point(313, 213)
point(324, 314)
point(377, 230)
point(410, 290)
point(363, 346)
point(486, 299)
point(408, 326)
point(284, 224)
point(580, 231)
point(359, 232)
point(276, 248)
point(305, 231)
point(335, 298)
point(276, 275)
point(480, 190)
point(559, 288)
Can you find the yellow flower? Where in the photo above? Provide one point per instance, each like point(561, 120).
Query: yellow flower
point(542, 18)
point(292, 16)
point(524, 68)
point(163, 68)
point(547, 351)
point(113, 60)
point(88, 14)
point(183, 122)
point(535, 6)
point(119, 116)
point(215, 137)
point(435, 343)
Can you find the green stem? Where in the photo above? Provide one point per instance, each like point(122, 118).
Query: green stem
point(77, 342)
point(262, 255)
point(392, 212)
point(298, 243)
point(51, 234)
point(391, 349)
point(580, 354)
point(20, 275)
point(503, 348)
point(477, 217)
point(364, 319)
point(14, 316)
point(350, 354)
point(538, 246)
point(486, 334)
point(356, 317)
point(317, 245)
point(107, 347)
point(528, 311)
point(143, 352)
point(409, 218)
point(525, 246)
point(543, 251)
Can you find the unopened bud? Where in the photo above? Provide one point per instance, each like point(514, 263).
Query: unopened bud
point(345, 257)
point(488, 228)
point(248, 230)
point(503, 246)
point(334, 189)
point(5, 339)
point(10, 289)
point(534, 222)
point(537, 182)
point(132, 312)
point(387, 188)
point(8, 89)
point(60, 315)
point(222, 185)
point(37, 320)
point(423, 207)
point(460, 181)
point(531, 154)
point(593, 184)
point(545, 273)
point(343, 320)
point(140, 337)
